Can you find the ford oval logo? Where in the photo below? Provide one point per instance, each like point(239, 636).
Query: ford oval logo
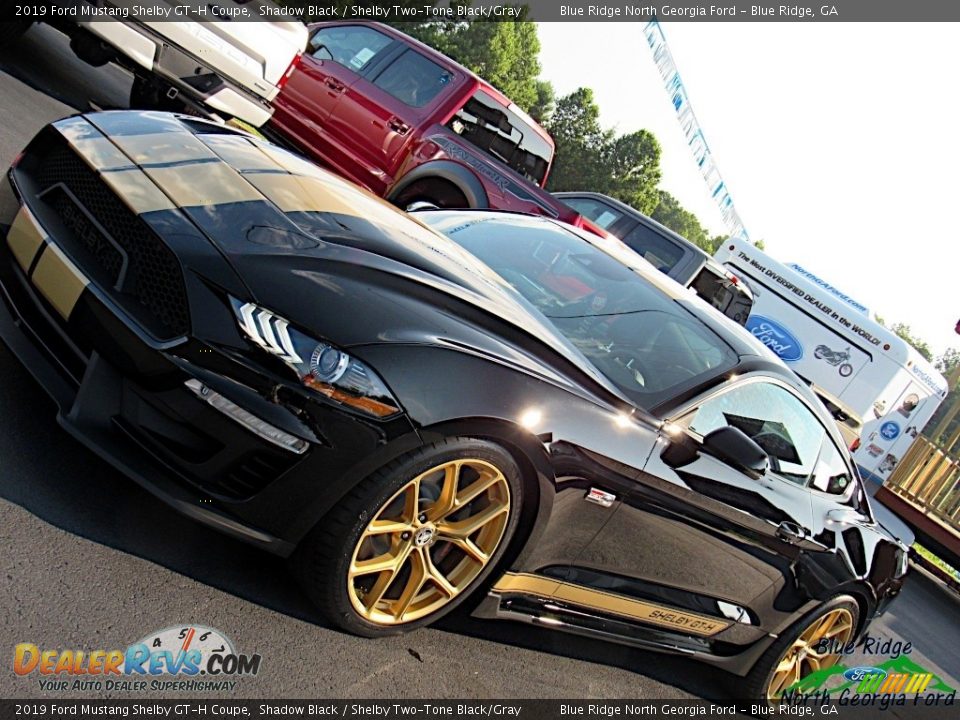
point(856, 674)
point(776, 337)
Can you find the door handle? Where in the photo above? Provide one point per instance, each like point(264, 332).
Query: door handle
point(398, 125)
point(847, 516)
point(790, 532)
point(335, 85)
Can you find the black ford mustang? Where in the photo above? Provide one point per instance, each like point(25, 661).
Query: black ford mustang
point(508, 407)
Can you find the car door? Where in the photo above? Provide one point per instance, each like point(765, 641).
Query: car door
point(377, 116)
point(844, 523)
point(701, 535)
point(665, 254)
point(335, 58)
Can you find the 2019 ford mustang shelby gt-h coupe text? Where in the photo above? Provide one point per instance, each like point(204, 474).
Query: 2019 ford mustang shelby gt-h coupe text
point(493, 406)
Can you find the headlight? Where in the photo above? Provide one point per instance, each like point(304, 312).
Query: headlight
point(319, 365)
point(904, 562)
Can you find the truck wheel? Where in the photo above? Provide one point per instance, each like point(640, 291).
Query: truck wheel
point(438, 193)
point(10, 31)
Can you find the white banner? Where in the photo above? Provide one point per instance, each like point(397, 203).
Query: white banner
point(692, 130)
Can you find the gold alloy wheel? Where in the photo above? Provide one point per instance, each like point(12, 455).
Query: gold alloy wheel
point(429, 541)
point(802, 658)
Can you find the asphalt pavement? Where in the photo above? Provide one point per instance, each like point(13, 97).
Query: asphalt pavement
point(91, 561)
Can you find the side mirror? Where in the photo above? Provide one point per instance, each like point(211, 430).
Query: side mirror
point(736, 448)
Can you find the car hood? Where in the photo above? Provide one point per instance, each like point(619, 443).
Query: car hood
point(308, 245)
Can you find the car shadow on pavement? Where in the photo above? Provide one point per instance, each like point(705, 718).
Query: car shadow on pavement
point(55, 478)
point(688, 676)
point(55, 71)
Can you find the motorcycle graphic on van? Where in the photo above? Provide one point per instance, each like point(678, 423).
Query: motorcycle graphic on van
point(840, 359)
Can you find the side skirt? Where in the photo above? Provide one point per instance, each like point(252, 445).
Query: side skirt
point(580, 610)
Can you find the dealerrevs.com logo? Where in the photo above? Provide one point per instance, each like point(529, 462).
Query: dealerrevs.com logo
point(180, 658)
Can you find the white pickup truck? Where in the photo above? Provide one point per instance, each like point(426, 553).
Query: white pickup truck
point(219, 67)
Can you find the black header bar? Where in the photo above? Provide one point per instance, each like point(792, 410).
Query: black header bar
point(446, 10)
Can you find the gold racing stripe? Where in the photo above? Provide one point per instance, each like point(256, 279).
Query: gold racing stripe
point(526, 584)
point(25, 238)
point(301, 193)
point(203, 184)
point(137, 191)
point(311, 193)
point(631, 608)
point(170, 147)
point(99, 153)
point(59, 280)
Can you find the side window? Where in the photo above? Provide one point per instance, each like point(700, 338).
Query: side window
point(653, 247)
point(352, 46)
point(594, 210)
point(776, 420)
point(713, 287)
point(504, 135)
point(413, 79)
point(831, 474)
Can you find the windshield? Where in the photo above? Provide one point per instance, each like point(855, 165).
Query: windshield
point(632, 331)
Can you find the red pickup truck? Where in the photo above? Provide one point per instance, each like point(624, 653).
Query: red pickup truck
point(411, 125)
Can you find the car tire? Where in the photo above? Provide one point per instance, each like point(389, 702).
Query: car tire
point(765, 683)
point(12, 30)
point(419, 565)
point(439, 193)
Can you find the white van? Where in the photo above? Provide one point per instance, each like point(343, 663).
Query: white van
point(879, 388)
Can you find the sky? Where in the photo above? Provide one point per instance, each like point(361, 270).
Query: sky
point(837, 141)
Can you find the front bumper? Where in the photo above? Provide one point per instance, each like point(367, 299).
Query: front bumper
point(123, 394)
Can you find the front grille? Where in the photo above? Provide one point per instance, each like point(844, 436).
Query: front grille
point(116, 248)
point(108, 258)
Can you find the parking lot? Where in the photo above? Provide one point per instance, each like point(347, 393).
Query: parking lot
point(91, 561)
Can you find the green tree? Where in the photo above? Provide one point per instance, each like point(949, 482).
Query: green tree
point(948, 361)
point(903, 331)
point(715, 242)
point(671, 213)
point(589, 157)
point(575, 127)
point(542, 109)
point(633, 162)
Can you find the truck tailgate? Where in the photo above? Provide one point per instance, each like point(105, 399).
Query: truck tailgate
point(254, 55)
